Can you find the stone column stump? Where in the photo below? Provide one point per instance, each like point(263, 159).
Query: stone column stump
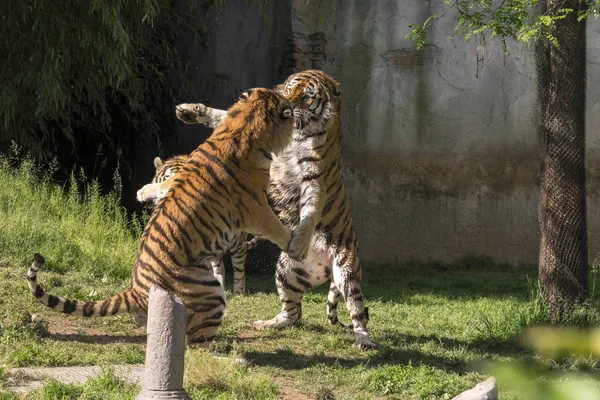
point(165, 347)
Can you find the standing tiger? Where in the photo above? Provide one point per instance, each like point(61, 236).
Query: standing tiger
point(307, 192)
point(219, 192)
point(238, 247)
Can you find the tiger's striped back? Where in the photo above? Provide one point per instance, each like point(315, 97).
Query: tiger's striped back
point(166, 170)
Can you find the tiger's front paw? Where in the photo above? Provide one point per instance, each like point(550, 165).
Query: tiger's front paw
point(301, 239)
point(149, 192)
point(278, 322)
point(261, 325)
point(192, 113)
point(361, 340)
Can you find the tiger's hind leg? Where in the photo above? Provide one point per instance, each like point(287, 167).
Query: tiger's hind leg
point(205, 318)
point(347, 276)
point(202, 328)
point(293, 279)
point(206, 306)
point(219, 271)
point(238, 260)
point(332, 302)
point(290, 294)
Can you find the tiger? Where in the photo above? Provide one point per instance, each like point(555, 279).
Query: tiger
point(165, 170)
point(308, 194)
point(220, 191)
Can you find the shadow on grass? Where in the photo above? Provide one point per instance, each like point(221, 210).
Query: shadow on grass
point(99, 339)
point(288, 360)
point(467, 278)
point(488, 346)
point(398, 350)
point(394, 349)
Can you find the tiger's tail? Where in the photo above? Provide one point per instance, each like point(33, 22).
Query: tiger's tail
point(119, 304)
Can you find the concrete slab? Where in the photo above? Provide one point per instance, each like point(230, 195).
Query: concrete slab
point(29, 378)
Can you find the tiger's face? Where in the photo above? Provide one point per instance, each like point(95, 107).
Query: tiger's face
point(268, 114)
point(165, 170)
point(273, 103)
point(315, 96)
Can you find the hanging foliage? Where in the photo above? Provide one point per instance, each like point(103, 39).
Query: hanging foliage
point(519, 20)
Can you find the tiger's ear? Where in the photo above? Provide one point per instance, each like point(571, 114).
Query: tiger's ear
point(246, 94)
point(158, 163)
point(279, 89)
point(337, 90)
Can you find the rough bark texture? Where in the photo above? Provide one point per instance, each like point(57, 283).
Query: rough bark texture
point(561, 112)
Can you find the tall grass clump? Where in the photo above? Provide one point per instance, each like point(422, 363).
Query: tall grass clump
point(208, 377)
point(583, 315)
point(76, 229)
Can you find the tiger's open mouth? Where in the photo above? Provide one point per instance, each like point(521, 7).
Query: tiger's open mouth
point(302, 119)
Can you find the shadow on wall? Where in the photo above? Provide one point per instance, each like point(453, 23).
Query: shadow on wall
point(240, 54)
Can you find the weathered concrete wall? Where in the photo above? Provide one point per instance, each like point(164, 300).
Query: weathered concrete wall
point(440, 145)
point(244, 50)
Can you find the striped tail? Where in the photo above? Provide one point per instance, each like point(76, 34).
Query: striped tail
point(118, 304)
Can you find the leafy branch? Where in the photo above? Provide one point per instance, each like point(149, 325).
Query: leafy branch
point(510, 19)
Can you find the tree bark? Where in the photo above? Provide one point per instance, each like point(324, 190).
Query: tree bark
point(563, 267)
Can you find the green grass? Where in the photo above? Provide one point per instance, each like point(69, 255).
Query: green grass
point(440, 326)
point(87, 233)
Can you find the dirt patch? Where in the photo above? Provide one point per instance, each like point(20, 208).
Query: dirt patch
point(69, 328)
point(246, 334)
point(287, 388)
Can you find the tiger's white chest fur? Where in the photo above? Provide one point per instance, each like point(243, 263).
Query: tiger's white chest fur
point(307, 143)
point(291, 170)
point(288, 168)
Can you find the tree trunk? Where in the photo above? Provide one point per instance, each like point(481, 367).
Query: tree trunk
point(561, 71)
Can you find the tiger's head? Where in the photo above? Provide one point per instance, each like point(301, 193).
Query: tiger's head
point(316, 98)
point(266, 116)
point(166, 169)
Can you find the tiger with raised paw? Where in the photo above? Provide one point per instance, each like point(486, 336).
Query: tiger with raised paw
point(218, 193)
